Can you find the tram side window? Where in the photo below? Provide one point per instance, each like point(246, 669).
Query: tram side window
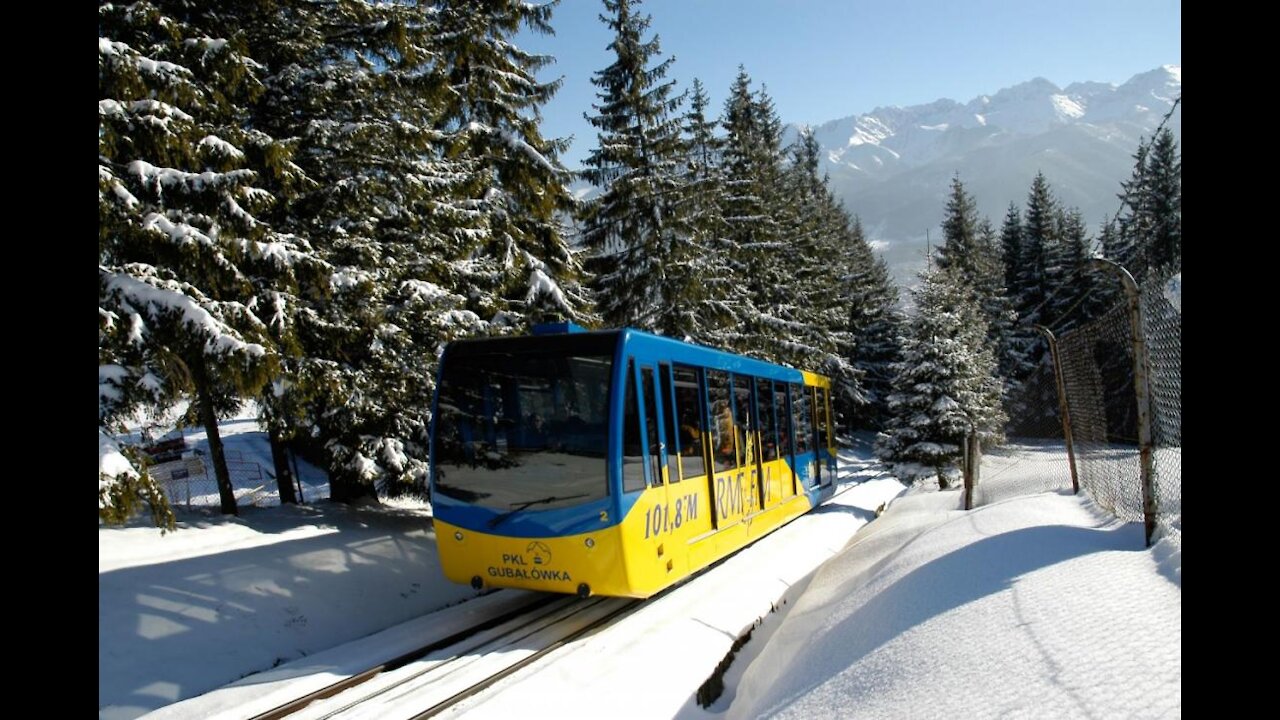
point(651, 427)
point(820, 414)
point(723, 448)
point(768, 422)
point(632, 445)
point(675, 444)
point(784, 418)
point(800, 418)
point(742, 419)
point(689, 408)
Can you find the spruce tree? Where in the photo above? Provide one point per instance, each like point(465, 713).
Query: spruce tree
point(491, 114)
point(970, 248)
point(436, 200)
point(960, 233)
point(642, 255)
point(874, 326)
point(1039, 237)
point(391, 210)
point(946, 385)
point(818, 257)
point(755, 209)
point(1011, 253)
point(717, 305)
point(997, 308)
point(191, 280)
point(1068, 274)
point(1164, 202)
point(1150, 222)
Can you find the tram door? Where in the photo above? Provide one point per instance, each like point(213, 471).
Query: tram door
point(656, 462)
point(748, 438)
point(816, 402)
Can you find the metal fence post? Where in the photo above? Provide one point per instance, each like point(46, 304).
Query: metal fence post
point(1064, 409)
point(1141, 375)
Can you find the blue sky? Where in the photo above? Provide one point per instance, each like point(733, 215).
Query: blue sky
point(826, 59)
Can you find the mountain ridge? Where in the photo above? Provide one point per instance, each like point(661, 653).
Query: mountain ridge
point(893, 165)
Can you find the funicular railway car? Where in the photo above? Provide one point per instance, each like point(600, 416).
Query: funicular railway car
point(616, 462)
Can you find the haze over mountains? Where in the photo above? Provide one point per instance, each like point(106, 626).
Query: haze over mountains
point(893, 166)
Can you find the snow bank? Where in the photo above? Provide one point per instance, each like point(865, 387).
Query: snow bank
point(1040, 605)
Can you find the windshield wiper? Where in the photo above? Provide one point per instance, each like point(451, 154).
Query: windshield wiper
point(518, 507)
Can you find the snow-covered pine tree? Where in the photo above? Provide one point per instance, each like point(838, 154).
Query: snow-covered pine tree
point(960, 233)
point(819, 257)
point(1150, 222)
point(643, 255)
point(1011, 253)
point(946, 384)
point(1164, 202)
point(1115, 246)
point(1017, 359)
point(389, 208)
point(1032, 403)
point(875, 327)
point(997, 308)
point(718, 305)
point(191, 281)
point(969, 247)
point(1039, 236)
point(754, 209)
point(491, 114)
point(1068, 274)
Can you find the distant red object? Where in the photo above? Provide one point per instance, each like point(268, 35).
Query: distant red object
point(169, 446)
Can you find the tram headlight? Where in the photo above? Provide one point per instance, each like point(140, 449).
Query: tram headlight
point(591, 542)
point(457, 535)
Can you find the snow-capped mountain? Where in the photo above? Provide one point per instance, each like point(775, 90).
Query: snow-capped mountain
point(893, 165)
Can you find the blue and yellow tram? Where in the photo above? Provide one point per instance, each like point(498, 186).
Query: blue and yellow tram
point(616, 462)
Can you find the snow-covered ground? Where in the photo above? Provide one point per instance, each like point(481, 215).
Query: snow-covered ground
point(1036, 606)
point(222, 597)
point(1033, 605)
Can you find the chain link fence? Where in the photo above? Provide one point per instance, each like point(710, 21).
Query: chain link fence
point(1098, 378)
point(1162, 325)
point(190, 482)
point(1101, 444)
point(1034, 457)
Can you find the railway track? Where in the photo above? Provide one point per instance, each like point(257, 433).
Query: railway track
point(431, 679)
point(437, 676)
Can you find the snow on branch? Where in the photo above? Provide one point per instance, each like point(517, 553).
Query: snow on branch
point(160, 178)
point(221, 148)
point(542, 286)
point(150, 300)
point(119, 53)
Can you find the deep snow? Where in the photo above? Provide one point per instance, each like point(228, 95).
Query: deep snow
point(1033, 605)
point(1037, 605)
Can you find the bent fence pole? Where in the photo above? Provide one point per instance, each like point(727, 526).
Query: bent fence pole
point(1141, 387)
point(1064, 408)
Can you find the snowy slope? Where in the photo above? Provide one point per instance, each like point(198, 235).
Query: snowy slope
point(1036, 606)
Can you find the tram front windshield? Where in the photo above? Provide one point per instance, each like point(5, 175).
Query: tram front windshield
point(526, 430)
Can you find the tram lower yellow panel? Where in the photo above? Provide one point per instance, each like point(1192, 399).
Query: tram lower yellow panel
point(669, 533)
point(552, 564)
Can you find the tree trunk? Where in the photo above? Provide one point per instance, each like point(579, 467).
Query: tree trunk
point(204, 399)
point(284, 476)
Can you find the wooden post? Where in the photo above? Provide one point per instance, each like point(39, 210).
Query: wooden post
point(968, 467)
point(1064, 408)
